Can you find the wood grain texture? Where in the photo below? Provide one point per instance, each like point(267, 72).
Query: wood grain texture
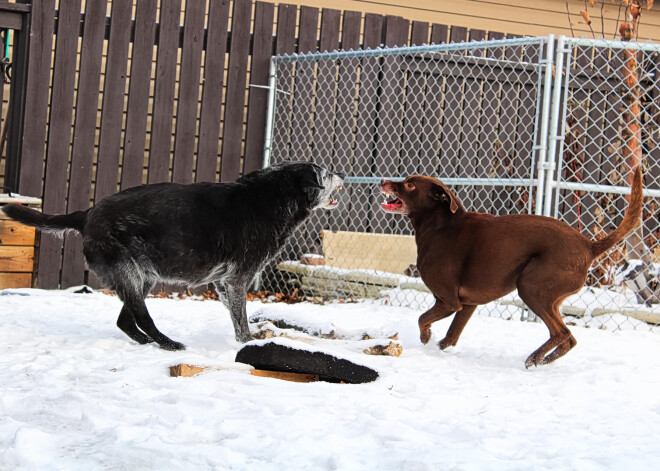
point(15, 233)
point(16, 259)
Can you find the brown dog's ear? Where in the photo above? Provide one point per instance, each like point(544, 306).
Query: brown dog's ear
point(444, 196)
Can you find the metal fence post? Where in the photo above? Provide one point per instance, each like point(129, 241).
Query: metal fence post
point(270, 112)
point(545, 116)
point(555, 134)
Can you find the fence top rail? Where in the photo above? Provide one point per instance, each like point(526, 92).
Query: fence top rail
point(399, 50)
point(610, 44)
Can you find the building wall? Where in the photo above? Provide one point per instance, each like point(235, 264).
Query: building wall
point(519, 17)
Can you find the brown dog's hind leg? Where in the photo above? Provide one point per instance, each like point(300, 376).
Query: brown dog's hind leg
point(457, 325)
point(543, 286)
point(560, 351)
point(439, 311)
point(561, 340)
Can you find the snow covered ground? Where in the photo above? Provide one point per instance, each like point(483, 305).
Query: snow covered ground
point(77, 394)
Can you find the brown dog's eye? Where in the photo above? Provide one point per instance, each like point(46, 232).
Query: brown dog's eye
point(410, 186)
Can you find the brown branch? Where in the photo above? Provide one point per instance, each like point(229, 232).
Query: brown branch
point(616, 26)
point(587, 20)
point(568, 14)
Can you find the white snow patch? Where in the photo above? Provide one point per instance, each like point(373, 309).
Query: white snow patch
point(76, 393)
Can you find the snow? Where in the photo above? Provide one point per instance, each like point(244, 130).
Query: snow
point(77, 394)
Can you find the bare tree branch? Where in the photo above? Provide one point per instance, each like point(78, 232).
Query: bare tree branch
point(568, 14)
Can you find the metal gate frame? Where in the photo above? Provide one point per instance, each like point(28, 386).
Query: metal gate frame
point(546, 62)
point(565, 61)
point(546, 179)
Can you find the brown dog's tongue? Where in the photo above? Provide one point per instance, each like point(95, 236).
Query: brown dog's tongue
point(392, 204)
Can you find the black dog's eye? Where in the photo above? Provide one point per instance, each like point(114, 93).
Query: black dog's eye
point(410, 186)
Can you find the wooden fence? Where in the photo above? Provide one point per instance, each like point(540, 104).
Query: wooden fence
point(108, 100)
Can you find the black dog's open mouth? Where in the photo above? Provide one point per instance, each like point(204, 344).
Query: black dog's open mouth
point(334, 201)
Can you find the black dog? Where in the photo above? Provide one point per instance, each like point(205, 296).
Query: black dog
point(220, 233)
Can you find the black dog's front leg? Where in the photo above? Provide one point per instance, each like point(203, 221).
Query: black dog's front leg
point(234, 300)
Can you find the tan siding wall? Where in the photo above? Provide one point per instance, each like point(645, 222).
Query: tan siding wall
point(519, 17)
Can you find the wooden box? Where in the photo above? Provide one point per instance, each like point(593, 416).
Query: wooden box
point(17, 249)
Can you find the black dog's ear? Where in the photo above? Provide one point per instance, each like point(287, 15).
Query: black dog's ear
point(439, 194)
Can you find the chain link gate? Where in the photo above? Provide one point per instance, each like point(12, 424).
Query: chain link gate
point(606, 100)
point(466, 113)
point(508, 125)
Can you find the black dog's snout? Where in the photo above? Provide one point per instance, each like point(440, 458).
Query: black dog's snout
point(340, 175)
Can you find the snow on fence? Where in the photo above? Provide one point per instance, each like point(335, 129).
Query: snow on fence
point(529, 125)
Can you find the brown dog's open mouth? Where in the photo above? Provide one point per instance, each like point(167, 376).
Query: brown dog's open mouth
point(392, 205)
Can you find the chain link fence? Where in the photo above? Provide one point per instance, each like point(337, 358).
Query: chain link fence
point(609, 124)
point(484, 117)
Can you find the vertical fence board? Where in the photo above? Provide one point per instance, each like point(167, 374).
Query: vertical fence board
point(470, 129)
point(186, 115)
point(344, 120)
point(324, 110)
point(451, 130)
point(439, 33)
point(419, 33)
point(113, 100)
point(59, 134)
point(430, 138)
point(366, 121)
point(262, 50)
point(36, 99)
point(236, 75)
point(466, 164)
point(210, 112)
point(301, 121)
point(138, 94)
point(413, 116)
point(284, 44)
point(391, 103)
point(325, 90)
point(161, 122)
point(304, 86)
point(488, 145)
point(73, 267)
point(505, 153)
point(112, 108)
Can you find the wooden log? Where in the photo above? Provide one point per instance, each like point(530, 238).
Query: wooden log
point(393, 350)
point(186, 371)
point(286, 376)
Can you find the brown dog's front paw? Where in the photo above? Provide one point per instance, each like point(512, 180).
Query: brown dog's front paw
point(425, 334)
point(445, 343)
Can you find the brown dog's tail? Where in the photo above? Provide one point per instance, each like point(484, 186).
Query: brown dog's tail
point(45, 222)
point(630, 221)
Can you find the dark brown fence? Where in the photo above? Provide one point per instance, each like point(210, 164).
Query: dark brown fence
point(96, 113)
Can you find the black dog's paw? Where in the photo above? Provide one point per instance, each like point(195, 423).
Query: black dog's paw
point(172, 346)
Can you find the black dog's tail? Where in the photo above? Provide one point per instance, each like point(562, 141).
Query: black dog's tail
point(45, 222)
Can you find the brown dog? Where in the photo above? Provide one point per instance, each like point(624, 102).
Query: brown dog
point(468, 258)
